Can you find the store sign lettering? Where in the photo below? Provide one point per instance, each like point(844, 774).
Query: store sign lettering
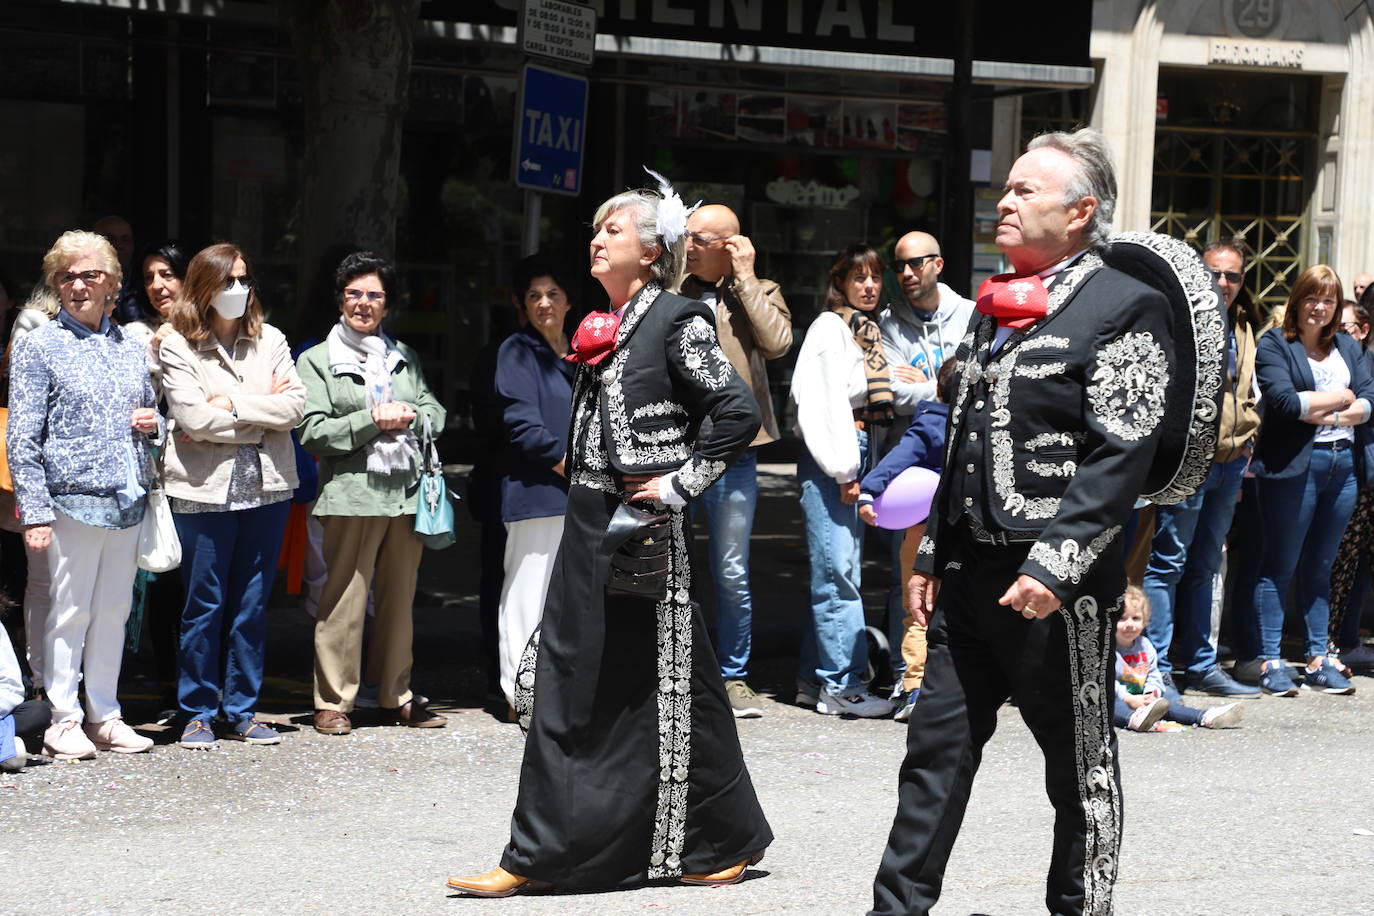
point(853, 19)
point(789, 192)
point(1256, 53)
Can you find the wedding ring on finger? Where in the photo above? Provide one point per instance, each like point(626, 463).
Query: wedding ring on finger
point(1027, 612)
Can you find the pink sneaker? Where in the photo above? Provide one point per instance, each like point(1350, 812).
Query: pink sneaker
point(66, 741)
point(114, 735)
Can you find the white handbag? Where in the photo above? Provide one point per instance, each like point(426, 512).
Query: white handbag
point(159, 548)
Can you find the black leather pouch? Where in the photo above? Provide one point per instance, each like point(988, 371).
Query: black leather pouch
point(639, 566)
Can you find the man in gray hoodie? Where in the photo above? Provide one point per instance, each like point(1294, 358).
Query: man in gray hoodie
point(920, 332)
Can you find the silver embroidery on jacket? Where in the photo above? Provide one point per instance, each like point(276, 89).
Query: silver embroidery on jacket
point(1003, 451)
point(1071, 562)
point(1045, 342)
point(1047, 440)
point(696, 475)
point(658, 409)
point(1126, 391)
point(702, 356)
point(1040, 370)
point(1050, 469)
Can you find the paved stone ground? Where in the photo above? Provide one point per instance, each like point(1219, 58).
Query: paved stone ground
point(1259, 819)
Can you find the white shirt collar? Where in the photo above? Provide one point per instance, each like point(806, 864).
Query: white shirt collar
point(1056, 268)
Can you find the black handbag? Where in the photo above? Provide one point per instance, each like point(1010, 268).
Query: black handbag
point(639, 566)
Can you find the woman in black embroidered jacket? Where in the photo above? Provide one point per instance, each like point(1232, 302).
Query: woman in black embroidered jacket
point(633, 770)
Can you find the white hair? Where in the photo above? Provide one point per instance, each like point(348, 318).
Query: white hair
point(1093, 174)
point(672, 259)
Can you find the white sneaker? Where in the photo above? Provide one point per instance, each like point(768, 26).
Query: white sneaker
point(806, 697)
point(1227, 716)
point(858, 703)
point(115, 735)
point(1144, 717)
point(66, 741)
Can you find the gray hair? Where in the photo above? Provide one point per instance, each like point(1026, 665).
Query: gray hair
point(1093, 174)
point(672, 259)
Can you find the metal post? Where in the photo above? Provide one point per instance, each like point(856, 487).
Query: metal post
point(958, 224)
point(530, 237)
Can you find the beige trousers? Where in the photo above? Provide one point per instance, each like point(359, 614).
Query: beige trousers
point(913, 633)
point(374, 553)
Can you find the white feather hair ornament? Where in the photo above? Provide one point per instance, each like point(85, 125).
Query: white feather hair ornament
point(672, 213)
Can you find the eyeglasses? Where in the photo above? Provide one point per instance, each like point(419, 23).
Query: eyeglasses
point(1232, 276)
point(88, 277)
point(1315, 300)
point(246, 281)
point(1350, 327)
point(706, 239)
point(358, 295)
point(915, 263)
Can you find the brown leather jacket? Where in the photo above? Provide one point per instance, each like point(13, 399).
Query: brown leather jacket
point(1240, 419)
point(753, 324)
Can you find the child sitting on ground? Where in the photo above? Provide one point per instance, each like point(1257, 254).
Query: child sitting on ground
point(1140, 701)
point(922, 445)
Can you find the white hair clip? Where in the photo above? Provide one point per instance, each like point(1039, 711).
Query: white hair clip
point(672, 214)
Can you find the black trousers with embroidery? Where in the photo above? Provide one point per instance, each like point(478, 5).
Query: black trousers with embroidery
point(1056, 670)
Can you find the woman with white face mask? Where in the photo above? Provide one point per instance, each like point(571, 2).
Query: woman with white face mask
point(232, 388)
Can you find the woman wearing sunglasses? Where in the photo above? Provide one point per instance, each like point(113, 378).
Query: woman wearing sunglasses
point(234, 396)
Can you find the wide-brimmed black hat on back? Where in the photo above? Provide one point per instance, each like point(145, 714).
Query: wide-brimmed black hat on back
point(1193, 398)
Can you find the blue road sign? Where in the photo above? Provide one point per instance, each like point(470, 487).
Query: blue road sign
point(550, 130)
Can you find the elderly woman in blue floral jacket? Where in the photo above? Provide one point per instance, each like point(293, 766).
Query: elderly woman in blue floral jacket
point(81, 410)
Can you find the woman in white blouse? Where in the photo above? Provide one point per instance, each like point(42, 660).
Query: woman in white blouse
point(842, 389)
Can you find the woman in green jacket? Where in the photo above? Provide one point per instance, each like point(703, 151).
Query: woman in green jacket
point(365, 405)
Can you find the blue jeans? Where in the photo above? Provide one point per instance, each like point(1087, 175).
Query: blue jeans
point(729, 506)
point(834, 649)
point(1184, 559)
point(229, 562)
point(1244, 557)
point(1303, 519)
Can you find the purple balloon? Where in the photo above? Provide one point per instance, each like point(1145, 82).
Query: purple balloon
point(906, 501)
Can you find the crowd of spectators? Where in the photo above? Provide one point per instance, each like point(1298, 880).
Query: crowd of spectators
point(128, 372)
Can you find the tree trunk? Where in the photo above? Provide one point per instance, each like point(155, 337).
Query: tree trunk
point(355, 76)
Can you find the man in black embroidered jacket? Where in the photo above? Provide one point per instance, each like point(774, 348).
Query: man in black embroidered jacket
point(1053, 431)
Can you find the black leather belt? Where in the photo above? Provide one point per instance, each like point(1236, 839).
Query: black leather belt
point(998, 538)
point(1336, 445)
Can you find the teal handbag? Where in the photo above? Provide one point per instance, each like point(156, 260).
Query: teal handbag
point(433, 507)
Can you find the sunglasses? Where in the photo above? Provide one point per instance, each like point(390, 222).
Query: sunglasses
point(1232, 276)
point(915, 263)
point(246, 281)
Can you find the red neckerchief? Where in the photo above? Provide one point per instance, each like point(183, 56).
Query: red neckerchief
point(595, 338)
point(1015, 300)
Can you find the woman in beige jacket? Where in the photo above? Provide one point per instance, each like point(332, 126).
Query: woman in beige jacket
point(233, 393)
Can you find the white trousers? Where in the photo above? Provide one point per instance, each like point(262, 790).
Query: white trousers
point(531, 545)
point(92, 572)
point(37, 600)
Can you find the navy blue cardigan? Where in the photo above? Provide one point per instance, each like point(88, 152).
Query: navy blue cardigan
point(534, 387)
point(921, 446)
point(1285, 439)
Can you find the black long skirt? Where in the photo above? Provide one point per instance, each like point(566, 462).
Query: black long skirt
point(632, 770)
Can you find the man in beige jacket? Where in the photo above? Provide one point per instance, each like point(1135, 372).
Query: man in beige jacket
point(753, 325)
